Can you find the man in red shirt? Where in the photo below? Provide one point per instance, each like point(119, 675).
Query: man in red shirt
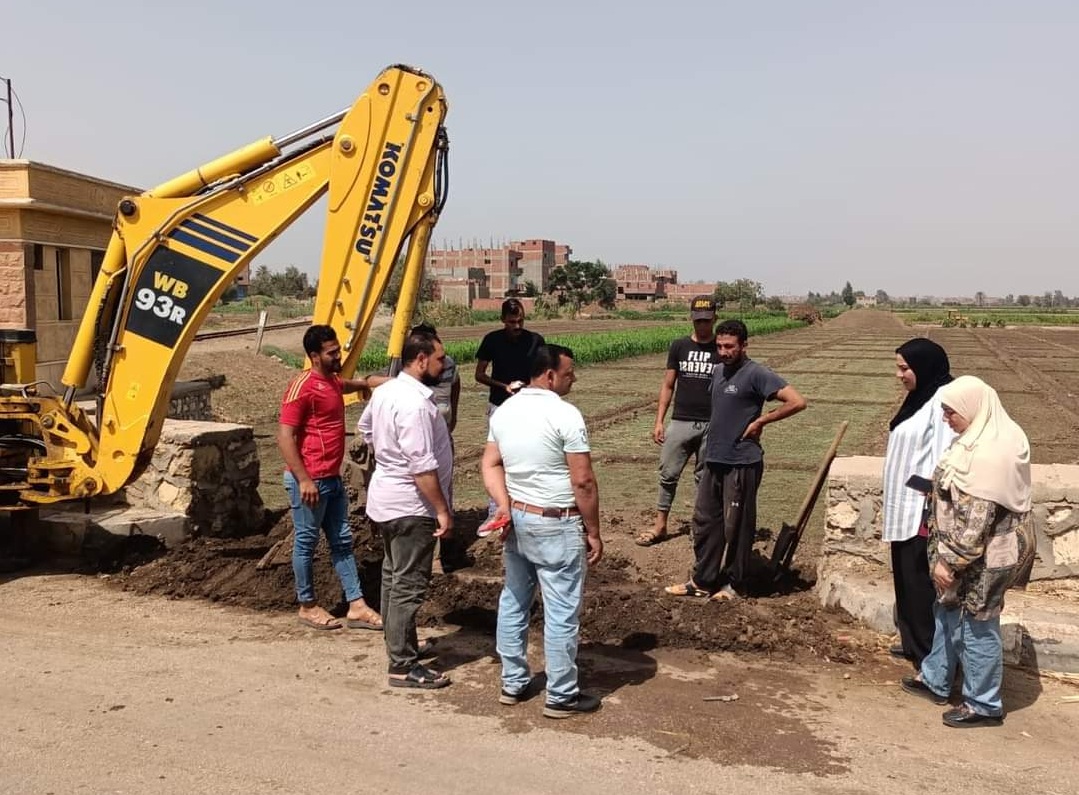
point(311, 438)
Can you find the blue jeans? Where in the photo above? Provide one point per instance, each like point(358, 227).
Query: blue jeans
point(960, 638)
point(549, 552)
point(329, 514)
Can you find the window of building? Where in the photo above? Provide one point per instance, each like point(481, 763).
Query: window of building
point(63, 284)
point(96, 258)
point(38, 257)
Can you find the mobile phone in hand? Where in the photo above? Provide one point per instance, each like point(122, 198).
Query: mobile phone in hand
point(918, 483)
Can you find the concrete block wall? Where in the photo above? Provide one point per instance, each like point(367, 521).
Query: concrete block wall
point(16, 299)
point(853, 516)
point(190, 400)
point(208, 471)
point(1040, 626)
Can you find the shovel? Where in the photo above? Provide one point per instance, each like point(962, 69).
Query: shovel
point(790, 535)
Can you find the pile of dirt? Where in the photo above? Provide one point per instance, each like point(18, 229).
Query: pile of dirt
point(621, 609)
point(621, 606)
point(225, 570)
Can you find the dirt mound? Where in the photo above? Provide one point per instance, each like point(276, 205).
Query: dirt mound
point(621, 607)
point(224, 570)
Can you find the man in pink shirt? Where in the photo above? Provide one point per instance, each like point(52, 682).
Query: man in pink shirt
point(408, 498)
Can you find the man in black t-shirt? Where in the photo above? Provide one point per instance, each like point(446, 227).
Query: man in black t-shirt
point(725, 513)
point(509, 352)
point(688, 379)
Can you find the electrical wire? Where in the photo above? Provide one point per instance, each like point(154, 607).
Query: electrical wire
point(11, 132)
point(22, 112)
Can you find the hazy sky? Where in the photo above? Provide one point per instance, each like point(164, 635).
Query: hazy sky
point(916, 147)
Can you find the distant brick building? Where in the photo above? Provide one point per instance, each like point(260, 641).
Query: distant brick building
point(54, 228)
point(687, 290)
point(475, 273)
point(495, 271)
point(536, 263)
point(642, 283)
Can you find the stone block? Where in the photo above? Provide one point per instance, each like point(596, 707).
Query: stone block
point(867, 599)
point(187, 432)
point(193, 472)
point(843, 516)
point(69, 532)
point(1054, 482)
point(1039, 632)
point(171, 528)
point(1066, 548)
point(1060, 518)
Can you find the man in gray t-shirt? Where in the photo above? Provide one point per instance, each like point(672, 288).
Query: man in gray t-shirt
point(725, 513)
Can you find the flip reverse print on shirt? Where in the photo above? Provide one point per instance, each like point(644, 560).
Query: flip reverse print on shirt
point(696, 363)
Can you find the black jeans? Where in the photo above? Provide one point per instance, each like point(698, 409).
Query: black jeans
point(725, 524)
point(914, 597)
point(406, 573)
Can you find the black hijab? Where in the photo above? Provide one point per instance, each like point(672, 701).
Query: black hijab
point(931, 371)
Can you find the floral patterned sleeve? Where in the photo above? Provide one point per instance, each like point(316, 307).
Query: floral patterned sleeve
point(964, 524)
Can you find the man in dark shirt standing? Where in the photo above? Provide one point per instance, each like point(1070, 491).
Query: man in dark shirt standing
point(688, 378)
point(508, 352)
point(725, 513)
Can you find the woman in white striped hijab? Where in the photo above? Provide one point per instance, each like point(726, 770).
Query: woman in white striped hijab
point(917, 440)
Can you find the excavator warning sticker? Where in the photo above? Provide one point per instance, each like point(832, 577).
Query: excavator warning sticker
point(277, 184)
point(169, 291)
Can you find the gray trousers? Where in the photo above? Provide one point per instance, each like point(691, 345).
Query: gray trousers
point(684, 438)
point(406, 573)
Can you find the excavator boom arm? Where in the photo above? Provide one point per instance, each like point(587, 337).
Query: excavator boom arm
point(175, 249)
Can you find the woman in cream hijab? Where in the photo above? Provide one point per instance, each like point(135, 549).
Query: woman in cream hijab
point(981, 543)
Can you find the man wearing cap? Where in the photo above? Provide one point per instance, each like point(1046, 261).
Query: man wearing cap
point(725, 512)
point(688, 378)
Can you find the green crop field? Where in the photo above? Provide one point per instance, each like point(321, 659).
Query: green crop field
point(1005, 316)
point(589, 347)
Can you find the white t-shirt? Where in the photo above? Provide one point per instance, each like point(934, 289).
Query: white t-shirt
point(534, 430)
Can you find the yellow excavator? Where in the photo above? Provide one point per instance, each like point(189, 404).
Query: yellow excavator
point(176, 248)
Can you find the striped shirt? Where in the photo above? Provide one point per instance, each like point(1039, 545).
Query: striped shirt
point(914, 448)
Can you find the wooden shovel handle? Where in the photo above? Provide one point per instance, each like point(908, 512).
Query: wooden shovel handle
point(818, 481)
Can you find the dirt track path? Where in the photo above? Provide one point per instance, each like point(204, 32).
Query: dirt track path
point(106, 692)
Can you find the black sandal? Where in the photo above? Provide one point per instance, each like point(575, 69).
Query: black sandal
point(421, 677)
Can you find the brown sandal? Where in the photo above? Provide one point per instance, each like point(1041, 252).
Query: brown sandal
point(370, 620)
